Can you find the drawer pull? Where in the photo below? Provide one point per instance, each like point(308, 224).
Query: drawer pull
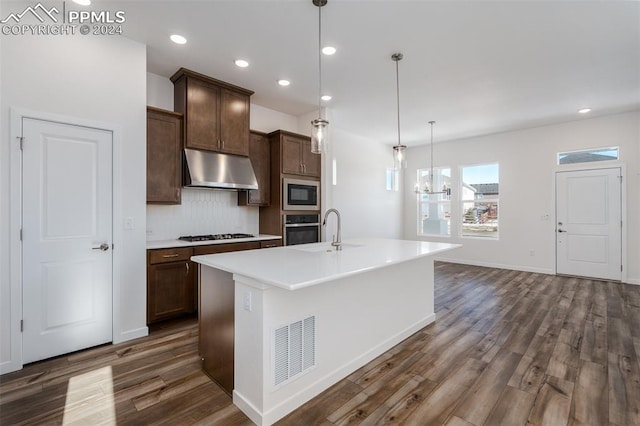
point(167, 256)
point(270, 245)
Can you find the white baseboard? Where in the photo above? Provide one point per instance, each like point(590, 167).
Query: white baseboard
point(497, 265)
point(635, 281)
point(254, 414)
point(323, 383)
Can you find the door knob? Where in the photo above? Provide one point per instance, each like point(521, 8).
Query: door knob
point(103, 247)
point(560, 230)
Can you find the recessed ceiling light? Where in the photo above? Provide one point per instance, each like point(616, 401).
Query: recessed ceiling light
point(242, 63)
point(328, 50)
point(584, 110)
point(325, 97)
point(284, 82)
point(82, 2)
point(178, 39)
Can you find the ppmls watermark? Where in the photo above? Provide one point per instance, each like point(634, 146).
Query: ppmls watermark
point(57, 20)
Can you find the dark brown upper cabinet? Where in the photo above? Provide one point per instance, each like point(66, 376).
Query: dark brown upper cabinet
point(259, 154)
point(164, 156)
point(216, 114)
point(297, 158)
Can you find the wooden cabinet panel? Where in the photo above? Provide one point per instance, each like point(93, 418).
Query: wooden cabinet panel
point(202, 115)
point(310, 161)
point(164, 156)
point(271, 243)
point(261, 161)
point(225, 248)
point(296, 157)
point(170, 290)
point(291, 155)
point(169, 255)
point(171, 283)
point(216, 328)
point(216, 113)
point(234, 120)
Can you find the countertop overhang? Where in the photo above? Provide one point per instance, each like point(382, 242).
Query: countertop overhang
point(161, 244)
point(296, 267)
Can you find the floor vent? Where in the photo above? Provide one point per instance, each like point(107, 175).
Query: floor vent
point(294, 349)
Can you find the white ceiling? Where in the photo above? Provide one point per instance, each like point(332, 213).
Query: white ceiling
point(475, 67)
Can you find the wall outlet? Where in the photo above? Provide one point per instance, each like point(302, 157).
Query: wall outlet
point(128, 223)
point(246, 298)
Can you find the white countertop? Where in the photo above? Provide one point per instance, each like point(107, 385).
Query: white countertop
point(295, 267)
point(179, 243)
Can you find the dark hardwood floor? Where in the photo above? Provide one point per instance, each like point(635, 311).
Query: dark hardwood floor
point(508, 348)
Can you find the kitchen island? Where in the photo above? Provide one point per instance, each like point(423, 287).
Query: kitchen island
point(305, 317)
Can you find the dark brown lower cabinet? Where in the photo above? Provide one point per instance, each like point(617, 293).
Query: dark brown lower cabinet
point(216, 318)
point(216, 327)
point(173, 291)
point(170, 284)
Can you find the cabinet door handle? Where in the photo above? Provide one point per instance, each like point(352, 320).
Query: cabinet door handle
point(218, 143)
point(302, 167)
point(168, 256)
point(186, 264)
point(222, 144)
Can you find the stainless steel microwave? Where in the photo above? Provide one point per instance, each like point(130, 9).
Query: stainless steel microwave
point(299, 194)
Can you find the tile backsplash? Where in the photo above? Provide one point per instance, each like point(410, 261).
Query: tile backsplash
point(203, 211)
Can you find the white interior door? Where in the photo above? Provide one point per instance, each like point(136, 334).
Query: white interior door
point(67, 217)
point(589, 223)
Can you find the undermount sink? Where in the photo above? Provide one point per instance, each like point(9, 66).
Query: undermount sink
point(324, 247)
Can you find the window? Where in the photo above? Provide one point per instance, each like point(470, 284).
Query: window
point(588, 155)
point(392, 180)
point(434, 210)
point(479, 198)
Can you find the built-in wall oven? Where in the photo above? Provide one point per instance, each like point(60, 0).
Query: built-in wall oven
point(300, 194)
point(301, 229)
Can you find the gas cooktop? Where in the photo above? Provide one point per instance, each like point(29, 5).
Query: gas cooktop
point(210, 237)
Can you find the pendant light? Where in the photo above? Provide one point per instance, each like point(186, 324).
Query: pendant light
point(428, 188)
point(319, 126)
point(399, 156)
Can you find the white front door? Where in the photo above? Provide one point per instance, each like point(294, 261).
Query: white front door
point(66, 219)
point(589, 223)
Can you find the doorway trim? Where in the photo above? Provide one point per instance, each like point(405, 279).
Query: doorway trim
point(623, 207)
point(15, 222)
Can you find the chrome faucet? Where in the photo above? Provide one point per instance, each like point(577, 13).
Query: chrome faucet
point(337, 243)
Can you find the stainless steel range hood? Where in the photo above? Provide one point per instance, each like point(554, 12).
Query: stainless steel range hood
point(208, 169)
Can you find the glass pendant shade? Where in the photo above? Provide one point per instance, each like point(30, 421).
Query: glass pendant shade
point(319, 126)
point(319, 136)
point(399, 157)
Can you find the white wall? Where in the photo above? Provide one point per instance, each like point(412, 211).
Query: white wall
point(367, 209)
point(527, 161)
point(86, 78)
point(267, 120)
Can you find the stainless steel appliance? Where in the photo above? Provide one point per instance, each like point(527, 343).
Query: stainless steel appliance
point(210, 237)
point(300, 194)
point(205, 169)
point(301, 229)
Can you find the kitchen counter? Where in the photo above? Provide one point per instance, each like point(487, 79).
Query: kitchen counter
point(300, 266)
point(160, 244)
point(297, 319)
